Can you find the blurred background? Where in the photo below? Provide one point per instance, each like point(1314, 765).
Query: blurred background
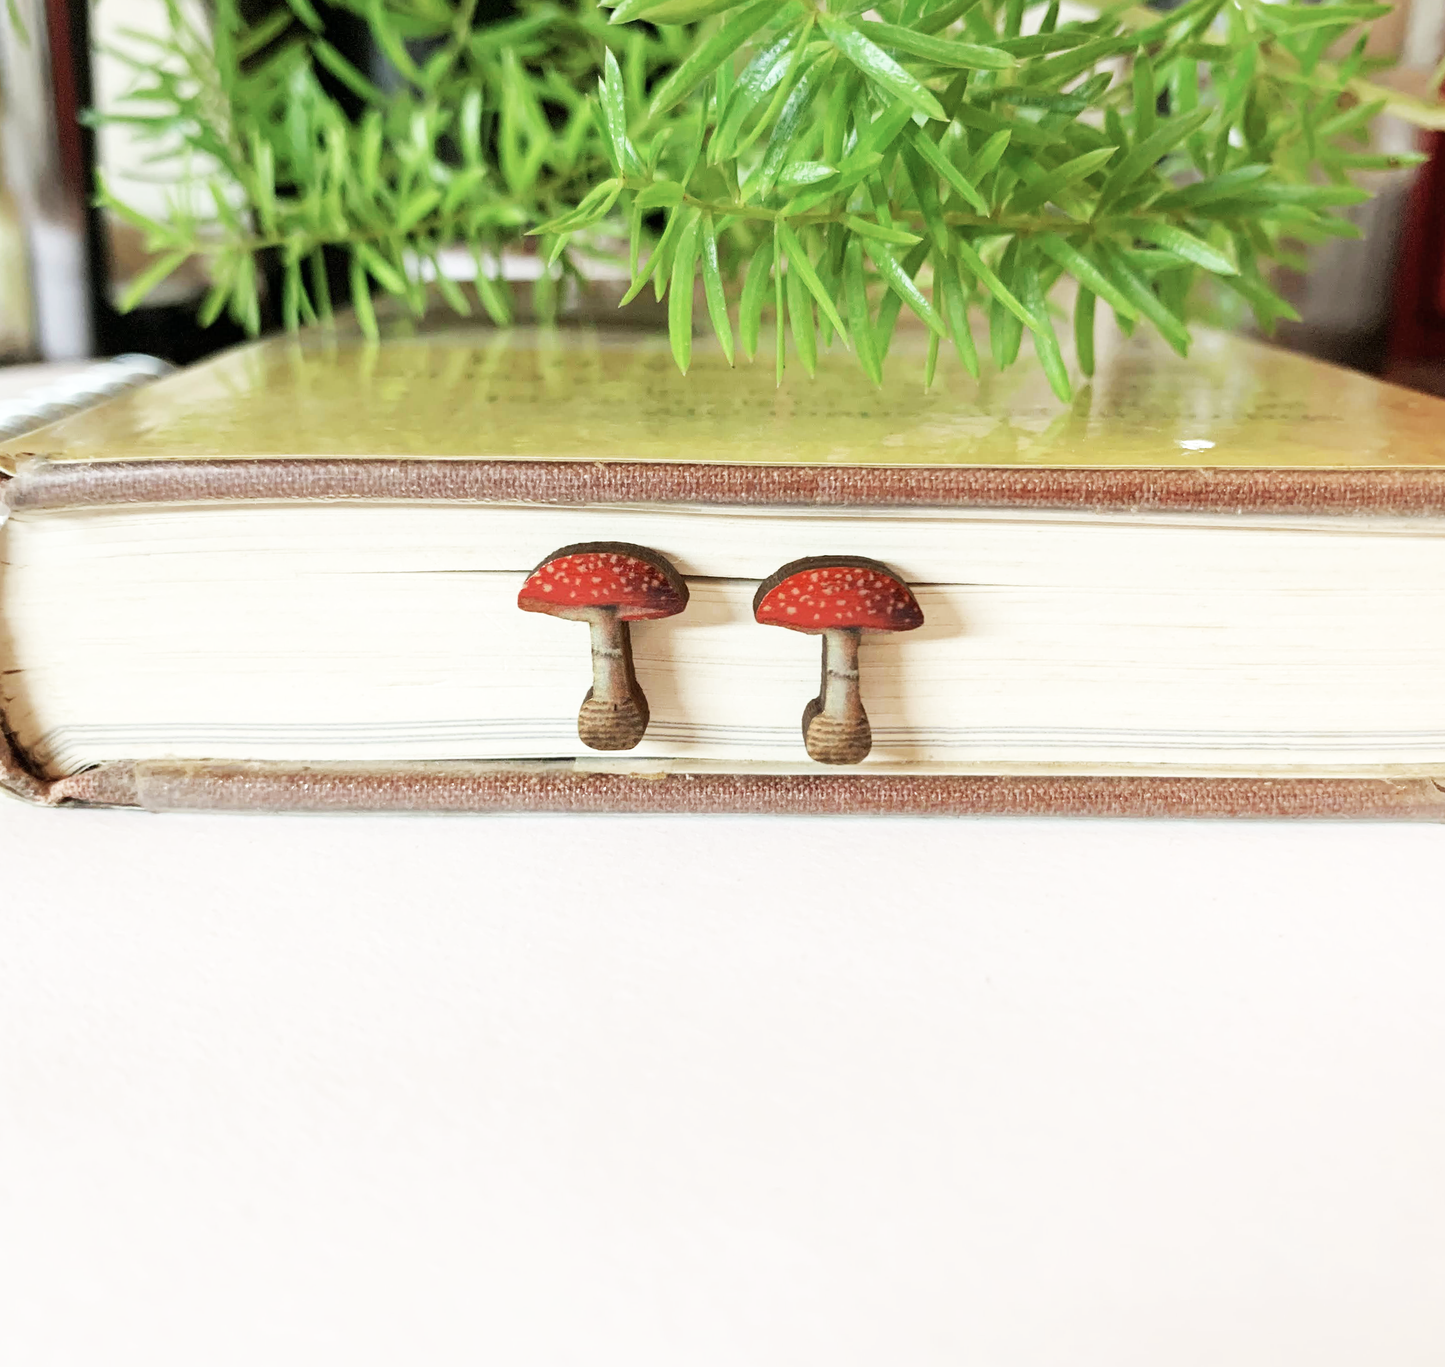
point(1376, 303)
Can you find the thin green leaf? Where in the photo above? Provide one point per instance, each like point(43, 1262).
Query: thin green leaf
point(798, 262)
point(303, 10)
point(880, 135)
point(941, 51)
point(149, 278)
point(717, 304)
point(800, 319)
point(706, 59)
point(469, 127)
point(544, 298)
point(595, 205)
point(245, 301)
point(924, 183)
point(628, 10)
point(361, 299)
point(1084, 330)
point(781, 138)
point(755, 291)
point(1267, 305)
point(450, 290)
point(1065, 254)
point(934, 156)
point(860, 328)
point(321, 286)
point(933, 21)
point(987, 157)
point(614, 118)
point(291, 297)
point(213, 303)
point(1222, 186)
point(780, 329)
point(386, 274)
point(996, 287)
point(1037, 44)
point(868, 228)
point(1145, 97)
point(805, 173)
point(17, 22)
point(1021, 131)
point(660, 264)
point(1186, 246)
point(1138, 292)
point(902, 285)
point(345, 72)
point(955, 311)
point(416, 209)
point(758, 78)
point(496, 295)
point(1056, 72)
point(1053, 183)
point(891, 304)
point(1005, 328)
point(878, 66)
point(1164, 140)
point(661, 194)
point(389, 40)
point(679, 299)
point(1046, 343)
point(1310, 196)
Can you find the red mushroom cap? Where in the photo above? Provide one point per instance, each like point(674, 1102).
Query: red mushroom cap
point(635, 581)
point(824, 592)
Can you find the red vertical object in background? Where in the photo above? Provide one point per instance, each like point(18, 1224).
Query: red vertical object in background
point(1417, 330)
point(68, 34)
point(65, 92)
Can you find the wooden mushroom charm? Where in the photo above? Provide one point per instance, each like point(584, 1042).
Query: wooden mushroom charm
point(837, 597)
point(607, 584)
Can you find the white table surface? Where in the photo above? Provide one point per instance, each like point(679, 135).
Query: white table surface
point(677, 1093)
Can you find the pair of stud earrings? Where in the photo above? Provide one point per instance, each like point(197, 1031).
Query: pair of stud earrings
point(609, 584)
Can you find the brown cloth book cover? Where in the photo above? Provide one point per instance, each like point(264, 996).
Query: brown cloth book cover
point(576, 417)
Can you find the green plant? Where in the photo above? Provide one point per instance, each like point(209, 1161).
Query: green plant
point(929, 154)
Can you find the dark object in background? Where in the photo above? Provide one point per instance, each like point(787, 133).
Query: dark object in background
point(46, 171)
point(1417, 335)
point(108, 254)
point(1345, 301)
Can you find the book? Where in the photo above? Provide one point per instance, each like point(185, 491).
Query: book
point(33, 395)
point(472, 569)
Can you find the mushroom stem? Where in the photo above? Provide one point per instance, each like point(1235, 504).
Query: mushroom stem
point(835, 726)
point(614, 712)
point(612, 679)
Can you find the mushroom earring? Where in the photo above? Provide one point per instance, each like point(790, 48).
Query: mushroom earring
point(607, 584)
point(837, 597)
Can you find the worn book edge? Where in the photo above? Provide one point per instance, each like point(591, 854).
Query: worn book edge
point(42, 484)
point(483, 787)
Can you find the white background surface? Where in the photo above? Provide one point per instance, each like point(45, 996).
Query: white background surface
point(676, 1093)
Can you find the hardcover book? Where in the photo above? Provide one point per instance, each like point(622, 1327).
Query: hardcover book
point(465, 569)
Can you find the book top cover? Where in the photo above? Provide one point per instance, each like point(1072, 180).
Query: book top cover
point(524, 394)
